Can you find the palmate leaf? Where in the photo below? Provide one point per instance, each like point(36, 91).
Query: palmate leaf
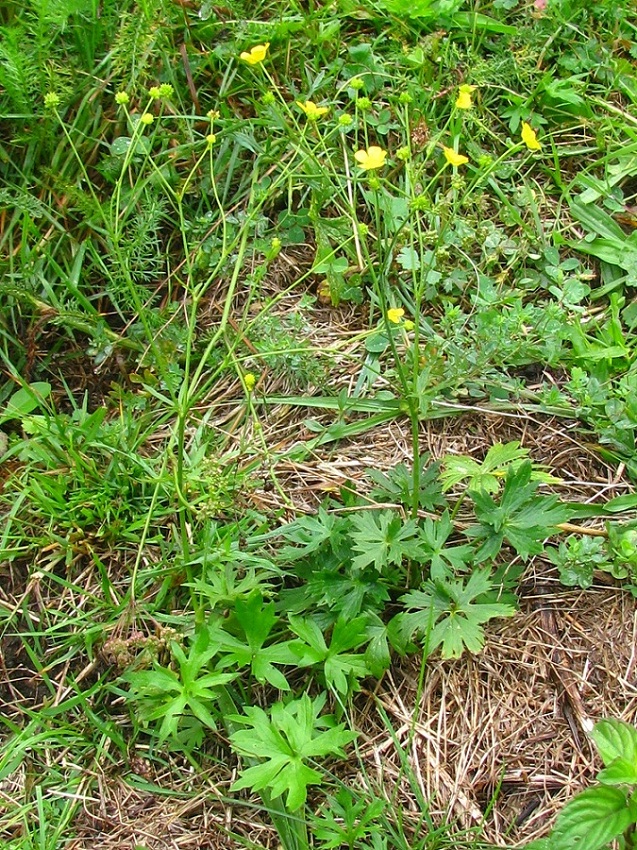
point(593, 819)
point(444, 560)
point(340, 666)
point(522, 517)
point(485, 475)
point(256, 619)
point(286, 740)
point(382, 538)
point(448, 615)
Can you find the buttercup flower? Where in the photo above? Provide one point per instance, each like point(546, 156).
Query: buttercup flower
point(256, 54)
point(454, 158)
point(395, 314)
point(373, 157)
point(463, 100)
point(529, 138)
point(312, 111)
point(250, 381)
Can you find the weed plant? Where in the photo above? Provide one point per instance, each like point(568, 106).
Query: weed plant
point(188, 192)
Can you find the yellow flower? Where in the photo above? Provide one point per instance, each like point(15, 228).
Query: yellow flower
point(250, 381)
point(312, 111)
point(454, 158)
point(529, 138)
point(395, 314)
point(147, 118)
point(463, 100)
point(256, 55)
point(373, 157)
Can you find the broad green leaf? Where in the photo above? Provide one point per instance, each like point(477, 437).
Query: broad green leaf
point(592, 820)
point(26, 400)
point(616, 740)
point(620, 772)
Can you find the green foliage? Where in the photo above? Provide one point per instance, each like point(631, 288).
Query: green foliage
point(256, 621)
point(522, 517)
point(283, 741)
point(450, 614)
point(340, 667)
point(183, 247)
point(608, 811)
point(185, 698)
point(343, 821)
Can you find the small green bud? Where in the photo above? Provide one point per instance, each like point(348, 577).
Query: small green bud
point(405, 99)
point(362, 229)
point(165, 90)
point(211, 139)
point(364, 104)
point(268, 99)
point(153, 92)
point(403, 153)
point(485, 161)
point(356, 83)
point(51, 100)
point(147, 118)
point(373, 182)
point(121, 98)
point(345, 120)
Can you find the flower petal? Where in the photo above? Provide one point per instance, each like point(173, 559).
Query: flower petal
point(395, 314)
point(454, 158)
point(529, 138)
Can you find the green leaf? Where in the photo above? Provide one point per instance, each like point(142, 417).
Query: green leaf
point(450, 615)
point(616, 740)
point(26, 400)
point(485, 475)
point(256, 620)
point(286, 739)
point(340, 667)
point(381, 537)
point(522, 517)
point(593, 819)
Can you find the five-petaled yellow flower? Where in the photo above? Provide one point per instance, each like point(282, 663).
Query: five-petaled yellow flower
point(454, 158)
point(256, 55)
point(373, 157)
point(529, 138)
point(312, 111)
point(463, 100)
point(395, 314)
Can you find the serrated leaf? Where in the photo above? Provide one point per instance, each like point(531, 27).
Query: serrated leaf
point(592, 820)
point(381, 537)
point(449, 616)
point(616, 740)
point(286, 740)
